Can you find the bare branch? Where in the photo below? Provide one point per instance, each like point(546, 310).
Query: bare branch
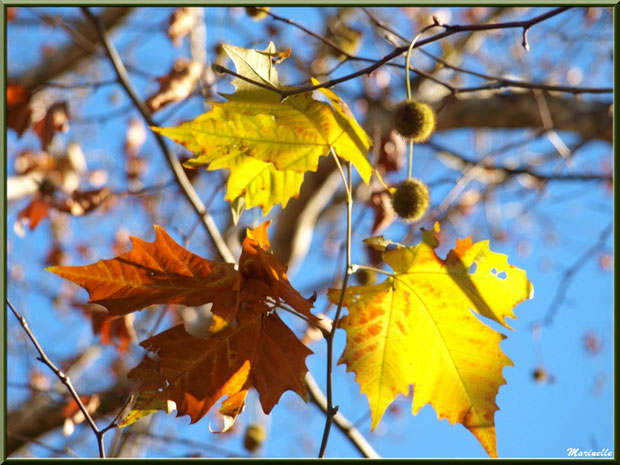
point(508, 171)
point(571, 271)
point(353, 435)
point(591, 120)
point(173, 162)
point(69, 56)
point(64, 379)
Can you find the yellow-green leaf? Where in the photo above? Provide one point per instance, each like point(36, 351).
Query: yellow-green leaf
point(267, 144)
point(260, 183)
point(253, 64)
point(417, 328)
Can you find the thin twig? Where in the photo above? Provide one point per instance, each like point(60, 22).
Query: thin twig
point(524, 170)
point(570, 273)
point(500, 82)
point(186, 442)
point(354, 268)
point(449, 30)
point(348, 429)
point(173, 162)
point(64, 379)
point(21, 437)
point(331, 410)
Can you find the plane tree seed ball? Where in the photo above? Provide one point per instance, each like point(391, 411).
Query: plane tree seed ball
point(415, 121)
point(365, 277)
point(257, 13)
point(411, 200)
point(255, 435)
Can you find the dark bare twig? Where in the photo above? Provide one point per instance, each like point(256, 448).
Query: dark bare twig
point(21, 437)
point(143, 190)
point(186, 442)
point(497, 84)
point(319, 37)
point(64, 379)
point(524, 170)
point(173, 162)
point(331, 410)
point(571, 271)
point(79, 85)
point(348, 428)
point(500, 82)
point(525, 25)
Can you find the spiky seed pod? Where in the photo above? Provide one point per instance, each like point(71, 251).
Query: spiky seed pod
point(256, 13)
point(255, 435)
point(411, 199)
point(415, 121)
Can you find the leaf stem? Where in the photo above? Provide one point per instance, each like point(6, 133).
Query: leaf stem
point(331, 410)
point(348, 429)
point(408, 82)
point(354, 268)
point(297, 314)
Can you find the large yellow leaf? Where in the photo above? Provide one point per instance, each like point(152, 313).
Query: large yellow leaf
point(417, 328)
point(267, 144)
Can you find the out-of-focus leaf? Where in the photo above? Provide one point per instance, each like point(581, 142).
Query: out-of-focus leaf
point(56, 119)
point(177, 85)
point(18, 111)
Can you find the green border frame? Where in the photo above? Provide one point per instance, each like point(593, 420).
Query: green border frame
point(437, 3)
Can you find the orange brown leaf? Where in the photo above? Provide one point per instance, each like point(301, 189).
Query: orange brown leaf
point(157, 272)
point(265, 276)
point(260, 351)
point(18, 111)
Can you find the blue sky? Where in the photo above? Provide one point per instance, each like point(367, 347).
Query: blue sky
point(545, 238)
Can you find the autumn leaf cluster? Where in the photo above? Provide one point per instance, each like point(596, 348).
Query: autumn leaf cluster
point(420, 327)
point(245, 344)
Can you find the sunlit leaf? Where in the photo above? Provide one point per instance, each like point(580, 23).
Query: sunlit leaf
point(268, 144)
point(417, 329)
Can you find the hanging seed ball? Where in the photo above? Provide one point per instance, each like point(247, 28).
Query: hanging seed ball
point(255, 435)
point(415, 121)
point(257, 13)
point(411, 200)
point(364, 276)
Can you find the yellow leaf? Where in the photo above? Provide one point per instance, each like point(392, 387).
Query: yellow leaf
point(417, 328)
point(253, 64)
point(267, 144)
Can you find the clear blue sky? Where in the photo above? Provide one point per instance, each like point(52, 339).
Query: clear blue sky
point(534, 420)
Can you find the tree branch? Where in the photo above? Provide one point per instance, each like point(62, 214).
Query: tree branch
point(38, 416)
point(64, 379)
point(71, 55)
point(591, 120)
point(509, 171)
point(449, 30)
point(331, 410)
point(175, 165)
point(348, 429)
point(570, 273)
